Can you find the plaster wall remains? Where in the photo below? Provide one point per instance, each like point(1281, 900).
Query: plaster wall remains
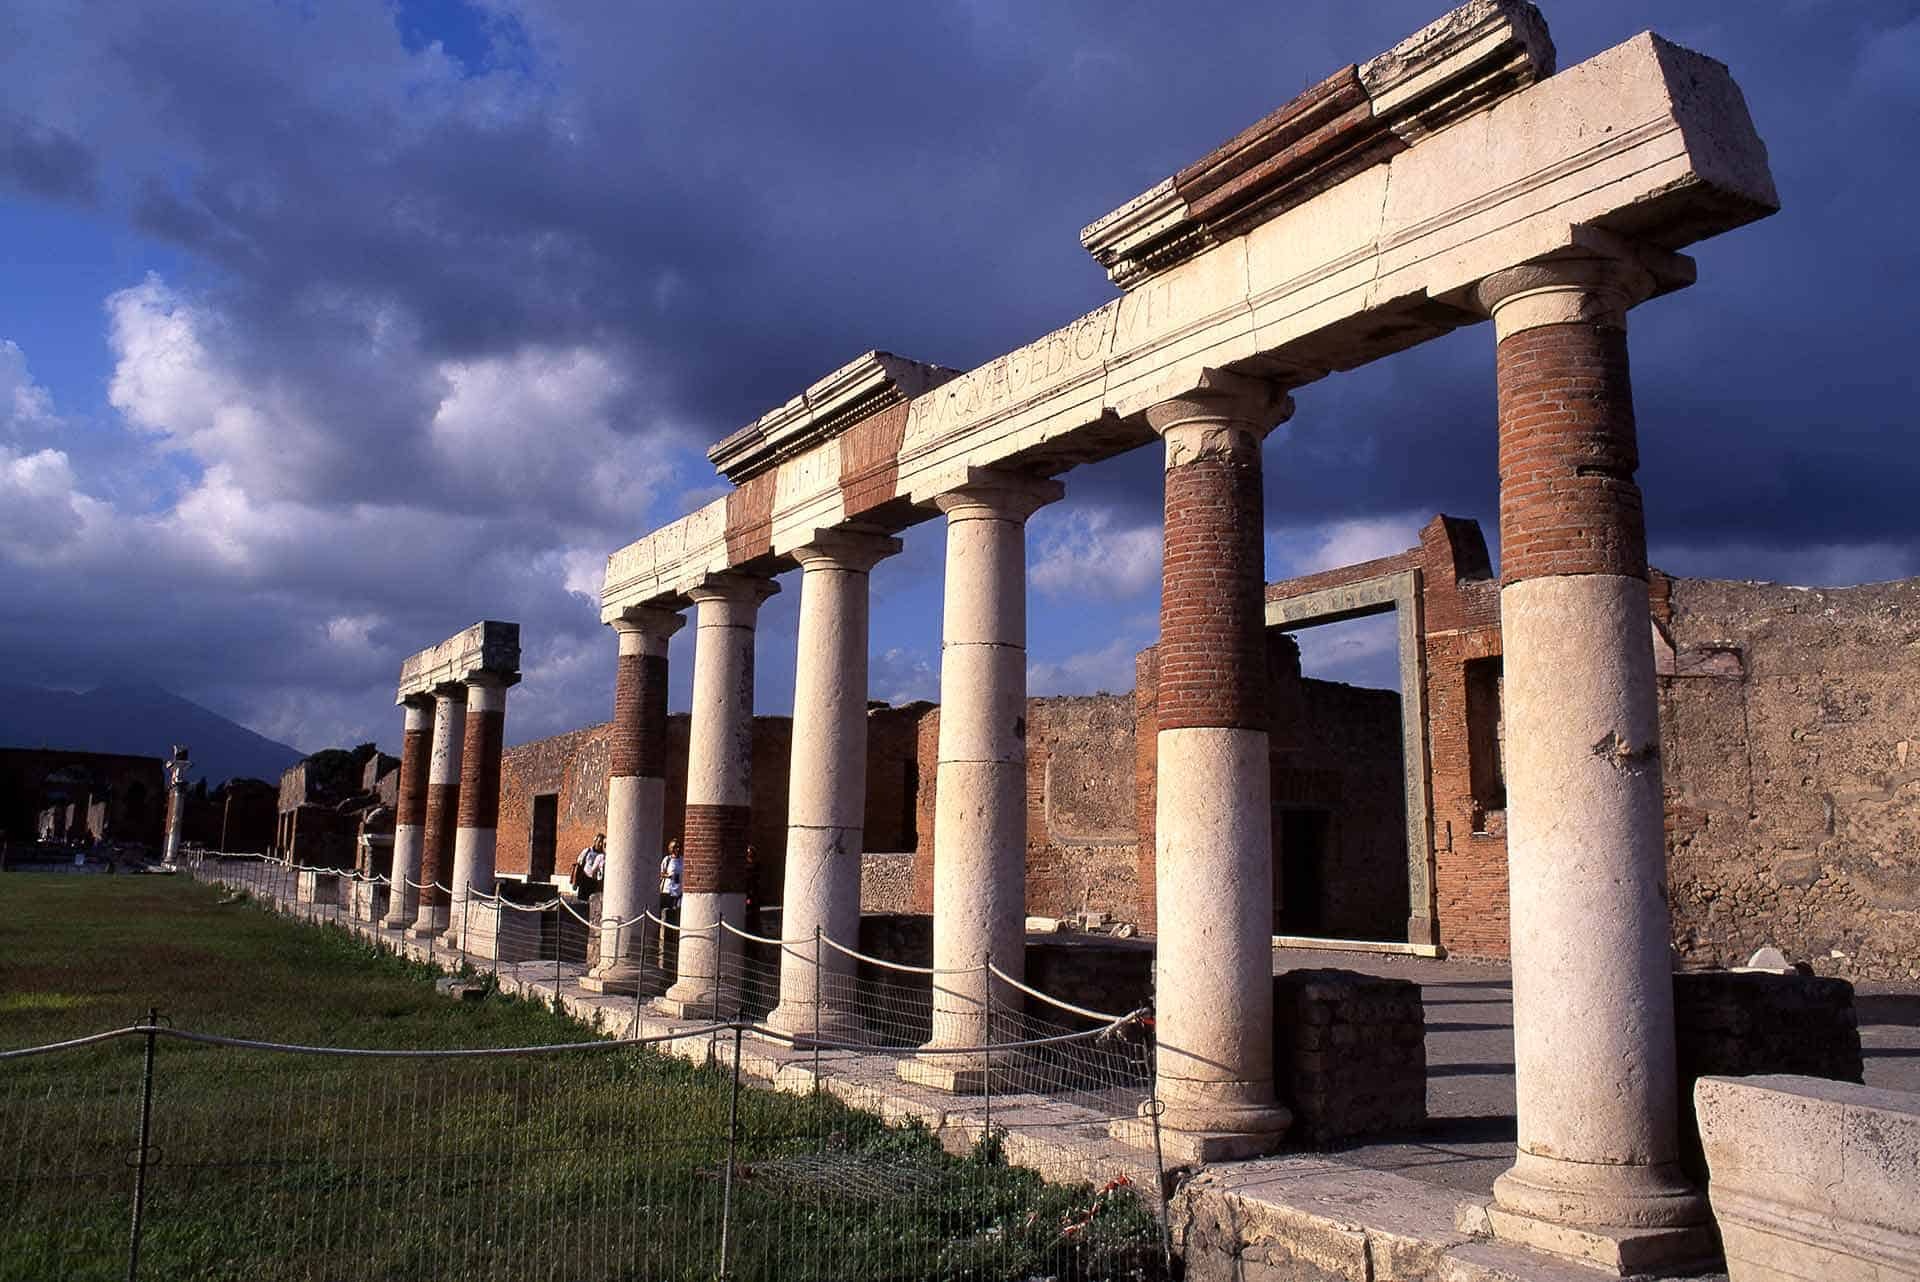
point(1790, 729)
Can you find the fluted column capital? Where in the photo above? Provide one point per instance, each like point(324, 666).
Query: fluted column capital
point(1585, 289)
point(646, 630)
point(855, 551)
point(1222, 413)
point(993, 494)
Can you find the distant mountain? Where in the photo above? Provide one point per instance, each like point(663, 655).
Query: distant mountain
point(143, 720)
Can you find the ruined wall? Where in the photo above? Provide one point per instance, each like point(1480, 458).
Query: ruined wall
point(33, 780)
point(1460, 606)
point(573, 767)
point(1082, 842)
point(1790, 734)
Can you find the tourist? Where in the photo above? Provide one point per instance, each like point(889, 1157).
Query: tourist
point(670, 869)
point(590, 868)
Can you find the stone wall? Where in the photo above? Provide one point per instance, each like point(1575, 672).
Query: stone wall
point(1790, 728)
point(1349, 1054)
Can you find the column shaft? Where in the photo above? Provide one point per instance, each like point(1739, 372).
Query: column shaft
point(1592, 974)
point(1212, 819)
point(478, 820)
point(636, 797)
point(827, 785)
point(443, 796)
point(980, 789)
point(410, 814)
point(719, 788)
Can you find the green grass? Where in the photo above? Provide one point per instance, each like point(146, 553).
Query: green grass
point(607, 1163)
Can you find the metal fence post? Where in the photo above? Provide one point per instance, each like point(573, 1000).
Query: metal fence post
point(733, 1144)
point(1154, 1110)
point(986, 976)
point(819, 1127)
point(141, 1155)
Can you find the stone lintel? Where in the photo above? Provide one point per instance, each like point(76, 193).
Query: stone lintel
point(1358, 117)
point(488, 648)
point(857, 390)
point(1639, 151)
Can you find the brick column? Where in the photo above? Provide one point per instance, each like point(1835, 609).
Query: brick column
point(1596, 1169)
point(636, 796)
point(719, 778)
point(478, 819)
point(410, 812)
point(443, 796)
point(1213, 830)
point(827, 788)
point(980, 790)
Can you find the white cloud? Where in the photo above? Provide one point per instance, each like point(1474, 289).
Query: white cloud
point(1107, 669)
point(25, 406)
point(901, 675)
point(1338, 543)
point(1080, 553)
point(41, 512)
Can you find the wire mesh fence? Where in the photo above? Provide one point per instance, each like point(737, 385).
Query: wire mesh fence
point(716, 1144)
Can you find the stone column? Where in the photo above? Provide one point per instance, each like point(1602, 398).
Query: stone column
point(443, 795)
point(1213, 826)
point(1596, 1170)
point(636, 796)
point(177, 767)
point(410, 813)
point(478, 820)
point(719, 777)
point(827, 790)
point(980, 790)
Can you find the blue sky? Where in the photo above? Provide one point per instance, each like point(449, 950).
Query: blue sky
point(328, 329)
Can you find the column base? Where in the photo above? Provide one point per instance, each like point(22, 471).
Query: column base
point(834, 1025)
point(621, 979)
point(1623, 1252)
point(954, 1074)
point(1228, 1135)
point(1628, 1218)
point(430, 925)
point(697, 999)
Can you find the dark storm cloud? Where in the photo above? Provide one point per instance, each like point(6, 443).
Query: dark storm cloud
point(45, 162)
point(452, 278)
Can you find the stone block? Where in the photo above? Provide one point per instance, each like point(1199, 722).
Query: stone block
point(1734, 1024)
point(1812, 1179)
point(1349, 1054)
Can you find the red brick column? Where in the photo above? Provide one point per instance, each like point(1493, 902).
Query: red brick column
point(443, 803)
point(478, 817)
point(719, 780)
point(410, 812)
point(1592, 975)
point(1213, 842)
point(636, 795)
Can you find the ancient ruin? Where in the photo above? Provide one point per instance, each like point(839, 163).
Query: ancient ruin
point(1534, 790)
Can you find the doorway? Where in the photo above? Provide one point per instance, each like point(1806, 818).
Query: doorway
point(545, 836)
point(1299, 883)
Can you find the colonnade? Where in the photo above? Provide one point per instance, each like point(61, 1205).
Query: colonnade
point(1592, 995)
point(453, 698)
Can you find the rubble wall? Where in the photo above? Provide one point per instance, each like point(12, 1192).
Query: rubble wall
point(1790, 732)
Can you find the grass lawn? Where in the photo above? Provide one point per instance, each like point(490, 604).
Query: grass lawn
point(595, 1163)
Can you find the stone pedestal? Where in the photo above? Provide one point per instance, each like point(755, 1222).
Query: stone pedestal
point(636, 801)
point(719, 776)
point(1213, 826)
point(410, 814)
point(827, 789)
point(442, 811)
point(1596, 1175)
point(980, 801)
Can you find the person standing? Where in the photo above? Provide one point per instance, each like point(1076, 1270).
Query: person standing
point(590, 869)
point(669, 910)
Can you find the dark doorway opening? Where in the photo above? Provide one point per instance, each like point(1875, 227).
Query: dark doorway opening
point(545, 836)
point(1299, 864)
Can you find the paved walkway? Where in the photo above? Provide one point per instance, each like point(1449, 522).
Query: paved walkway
point(1470, 1095)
